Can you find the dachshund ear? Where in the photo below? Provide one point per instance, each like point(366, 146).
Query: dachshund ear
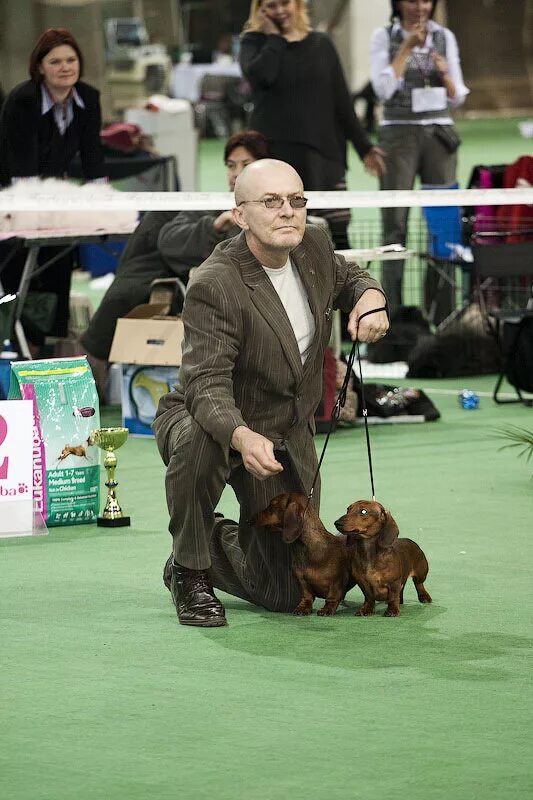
point(389, 532)
point(292, 523)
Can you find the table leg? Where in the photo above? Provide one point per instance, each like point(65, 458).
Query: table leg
point(22, 293)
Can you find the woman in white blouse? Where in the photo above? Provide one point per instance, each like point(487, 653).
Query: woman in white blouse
point(416, 73)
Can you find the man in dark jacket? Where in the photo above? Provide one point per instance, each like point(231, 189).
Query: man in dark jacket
point(257, 321)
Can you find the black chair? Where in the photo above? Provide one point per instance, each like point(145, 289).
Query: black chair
point(503, 273)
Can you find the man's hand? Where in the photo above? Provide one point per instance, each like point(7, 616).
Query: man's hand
point(372, 327)
point(374, 162)
point(223, 221)
point(257, 453)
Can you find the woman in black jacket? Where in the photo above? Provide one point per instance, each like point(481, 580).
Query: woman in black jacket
point(44, 123)
point(301, 100)
point(47, 120)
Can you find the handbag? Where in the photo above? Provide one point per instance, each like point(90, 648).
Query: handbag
point(448, 136)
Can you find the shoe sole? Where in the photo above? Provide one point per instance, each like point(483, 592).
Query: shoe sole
point(206, 624)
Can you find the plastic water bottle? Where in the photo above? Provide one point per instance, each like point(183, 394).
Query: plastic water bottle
point(7, 355)
point(468, 399)
point(8, 352)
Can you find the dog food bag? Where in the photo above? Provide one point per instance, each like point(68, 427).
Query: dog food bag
point(66, 462)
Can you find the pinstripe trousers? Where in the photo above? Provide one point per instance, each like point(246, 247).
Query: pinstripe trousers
point(247, 562)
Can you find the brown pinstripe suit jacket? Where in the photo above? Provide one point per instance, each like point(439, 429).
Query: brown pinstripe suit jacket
point(241, 364)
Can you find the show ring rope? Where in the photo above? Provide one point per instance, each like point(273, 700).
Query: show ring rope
point(83, 198)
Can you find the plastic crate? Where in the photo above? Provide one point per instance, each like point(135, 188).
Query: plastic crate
point(99, 259)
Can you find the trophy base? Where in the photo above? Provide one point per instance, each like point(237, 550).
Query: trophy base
point(118, 522)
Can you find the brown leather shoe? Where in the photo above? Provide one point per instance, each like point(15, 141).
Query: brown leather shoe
point(167, 569)
point(193, 596)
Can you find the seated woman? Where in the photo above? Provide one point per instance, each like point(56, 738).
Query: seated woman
point(45, 122)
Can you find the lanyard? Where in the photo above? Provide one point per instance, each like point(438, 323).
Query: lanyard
point(425, 73)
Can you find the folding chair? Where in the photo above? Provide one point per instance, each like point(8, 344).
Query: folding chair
point(445, 243)
point(495, 265)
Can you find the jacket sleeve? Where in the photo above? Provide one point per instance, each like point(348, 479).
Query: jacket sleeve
point(20, 123)
point(91, 152)
point(351, 127)
point(212, 343)
point(260, 58)
point(187, 240)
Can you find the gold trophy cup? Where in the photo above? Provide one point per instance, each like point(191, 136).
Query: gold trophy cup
point(110, 439)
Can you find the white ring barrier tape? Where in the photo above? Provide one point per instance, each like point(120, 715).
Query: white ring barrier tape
point(85, 198)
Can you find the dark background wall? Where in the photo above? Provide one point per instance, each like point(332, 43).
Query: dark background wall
point(496, 43)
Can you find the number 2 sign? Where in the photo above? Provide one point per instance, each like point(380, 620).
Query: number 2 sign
point(5, 463)
point(16, 475)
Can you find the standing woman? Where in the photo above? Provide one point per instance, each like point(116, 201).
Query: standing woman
point(302, 104)
point(52, 117)
point(416, 73)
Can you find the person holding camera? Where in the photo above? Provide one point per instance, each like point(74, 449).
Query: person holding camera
point(416, 73)
point(301, 101)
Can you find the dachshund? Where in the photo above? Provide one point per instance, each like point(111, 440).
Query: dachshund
point(320, 560)
point(72, 450)
point(381, 563)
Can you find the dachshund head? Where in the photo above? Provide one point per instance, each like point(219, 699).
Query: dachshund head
point(284, 513)
point(367, 519)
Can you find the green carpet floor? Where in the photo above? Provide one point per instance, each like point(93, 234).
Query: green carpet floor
point(104, 695)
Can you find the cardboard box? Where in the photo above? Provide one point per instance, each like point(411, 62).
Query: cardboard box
point(148, 346)
point(144, 336)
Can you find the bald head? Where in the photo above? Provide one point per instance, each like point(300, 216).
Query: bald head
point(267, 176)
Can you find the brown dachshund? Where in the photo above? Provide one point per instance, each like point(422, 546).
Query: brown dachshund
point(320, 560)
point(381, 563)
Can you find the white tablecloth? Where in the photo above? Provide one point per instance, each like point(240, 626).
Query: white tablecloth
point(186, 79)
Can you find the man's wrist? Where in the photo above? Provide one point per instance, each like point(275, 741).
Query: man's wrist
point(236, 437)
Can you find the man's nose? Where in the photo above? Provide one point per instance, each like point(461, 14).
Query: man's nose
point(286, 209)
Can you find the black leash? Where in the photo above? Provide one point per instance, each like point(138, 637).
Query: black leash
point(341, 400)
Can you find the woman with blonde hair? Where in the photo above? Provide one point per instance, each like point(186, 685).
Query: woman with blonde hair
point(302, 103)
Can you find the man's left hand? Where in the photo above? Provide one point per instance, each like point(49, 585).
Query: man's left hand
point(374, 326)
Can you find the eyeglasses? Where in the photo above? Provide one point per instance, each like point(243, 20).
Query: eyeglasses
point(277, 202)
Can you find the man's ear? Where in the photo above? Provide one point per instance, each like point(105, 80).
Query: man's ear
point(238, 218)
point(292, 523)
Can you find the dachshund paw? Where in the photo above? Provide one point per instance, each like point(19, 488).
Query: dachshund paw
point(326, 612)
point(392, 612)
point(364, 611)
point(424, 597)
point(302, 611)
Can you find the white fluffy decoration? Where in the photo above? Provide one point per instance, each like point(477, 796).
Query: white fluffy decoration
point(121, 220)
